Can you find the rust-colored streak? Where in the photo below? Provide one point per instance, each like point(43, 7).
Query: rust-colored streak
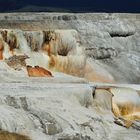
point(127, 116)
point(47, 48)
point(128, 111)
point(38, 72)
point(43, 71)
point(1, 50)
point(94, 76)
point(1, 55)
point(52, 62)
point(12, 42)
point(4, 135)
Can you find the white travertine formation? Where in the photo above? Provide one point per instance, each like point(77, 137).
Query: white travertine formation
point(64, 106)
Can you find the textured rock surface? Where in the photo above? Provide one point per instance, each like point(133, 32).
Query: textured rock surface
point(64, 107)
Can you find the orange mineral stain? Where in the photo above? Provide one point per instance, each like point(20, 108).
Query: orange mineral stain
point(1, 50)
point(38, 72)
point(97, 75)
point(5, 135)
point(126, 107)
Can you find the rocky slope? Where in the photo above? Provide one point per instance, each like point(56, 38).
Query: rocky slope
point(91, 47)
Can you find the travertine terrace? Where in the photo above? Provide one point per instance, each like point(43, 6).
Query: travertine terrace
point(70, 76)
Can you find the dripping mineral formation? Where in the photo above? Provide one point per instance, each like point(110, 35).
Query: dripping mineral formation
point(57, 50)
point(62, 74)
